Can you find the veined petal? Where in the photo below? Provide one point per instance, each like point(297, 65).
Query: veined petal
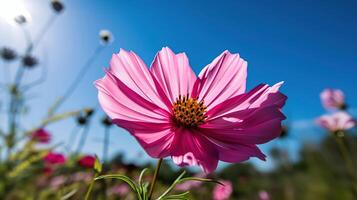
point(120, 102)
point(173, 73)
point(224, 78)
point(259, 126)
point(155, 138)
point(132, 71)
point(191, 148)
point(233, 153)
point(260, 96)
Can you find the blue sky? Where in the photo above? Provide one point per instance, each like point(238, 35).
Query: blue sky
point(310, 45)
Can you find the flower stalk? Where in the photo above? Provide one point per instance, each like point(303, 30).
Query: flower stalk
point(153, 182)
point(348, 161)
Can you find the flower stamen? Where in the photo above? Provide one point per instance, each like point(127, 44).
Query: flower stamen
point(189, 112)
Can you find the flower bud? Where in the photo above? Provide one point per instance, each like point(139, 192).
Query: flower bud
point(8, 54)
point(106, 37)
point(57, 6)
point(20, 19)
point(81, 120)
point(29, 61)
point(88, 112)
point(106, 121)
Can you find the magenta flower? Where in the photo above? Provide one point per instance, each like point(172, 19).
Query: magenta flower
point(87, 161)
point(195, 120)
point(263, 195)
point(339, 121)
point(222, 192)
point(54, 158)
point(333, 99)
point(41, 136)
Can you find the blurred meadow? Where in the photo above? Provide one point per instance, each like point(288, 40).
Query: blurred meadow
point(56, 142)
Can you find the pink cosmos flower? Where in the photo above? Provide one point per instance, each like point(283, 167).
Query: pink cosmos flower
point(263, 195)
point(54, 158)
point(195, 120)
point(333, 99)
point(222, 192)
point(87, 161)
point(41, 136)
point(339, 121)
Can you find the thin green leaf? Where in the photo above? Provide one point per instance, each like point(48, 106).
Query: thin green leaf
point(172, 186)
point(142, 175)
point(200, 179)
point(145, 188)
point(178, 196)
point(54, 106)
point(55, 118)
point(26, 164)
point(120, 177)
point(69, 194)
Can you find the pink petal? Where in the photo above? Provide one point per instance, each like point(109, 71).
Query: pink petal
point(173, 73)
point(257, 127)
point(155, 138)
point(224, 78)
point(234, 153)
point(191, 148)
point(132, 71)
point(120, 102)
point(260, 96)
point(332, 98)
point(344, 120)
point(339, 121)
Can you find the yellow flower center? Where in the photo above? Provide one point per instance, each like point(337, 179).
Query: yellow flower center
point(189, 112)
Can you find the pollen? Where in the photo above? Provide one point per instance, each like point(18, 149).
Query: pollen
point(189, 112)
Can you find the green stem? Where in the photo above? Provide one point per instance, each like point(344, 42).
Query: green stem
point(106, 144)
point(153, 182)
point(89, 191)
point(349, 163)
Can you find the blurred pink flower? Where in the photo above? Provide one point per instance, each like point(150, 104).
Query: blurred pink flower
point(222, 192)
point(54, 158)
point(87, 161)
point(339, 121)
point(57, 182)
point(195, 120)
point(82, 176)
point(188, 185)
point(263, 195)
point(333, 99)
point(120, 190)
point(41, 136)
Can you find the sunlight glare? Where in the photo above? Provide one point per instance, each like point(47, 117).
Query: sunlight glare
point(9, 9)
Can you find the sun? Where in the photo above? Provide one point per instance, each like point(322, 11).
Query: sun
point(10, 9)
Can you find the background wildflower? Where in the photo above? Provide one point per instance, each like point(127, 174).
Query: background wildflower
point(339, 121)
point(41, 136)
point(222, 192)
point(86, 161)
point(333, 99)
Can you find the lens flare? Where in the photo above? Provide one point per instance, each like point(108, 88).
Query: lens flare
point(11, 9)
